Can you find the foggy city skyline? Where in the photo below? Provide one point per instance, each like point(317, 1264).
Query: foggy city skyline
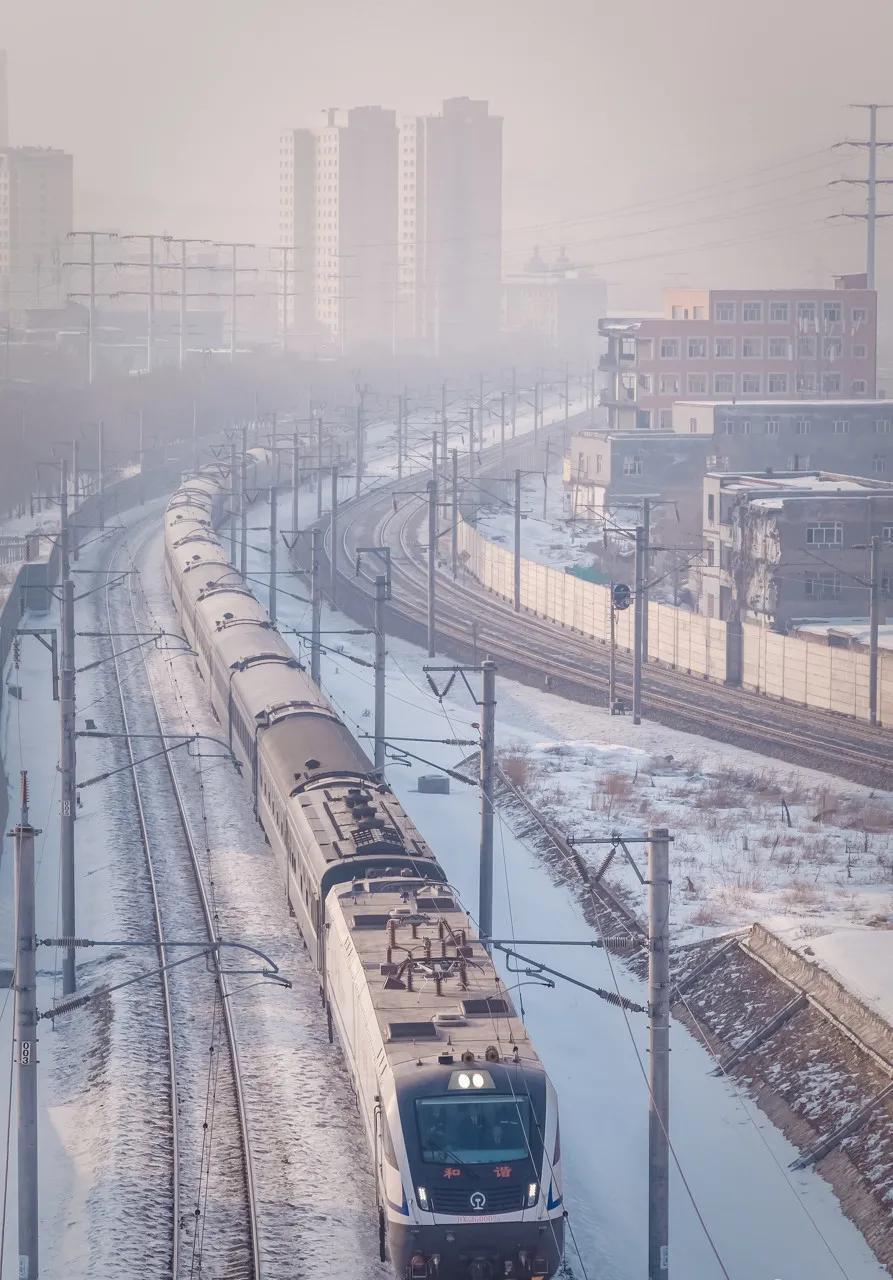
point(602, 110)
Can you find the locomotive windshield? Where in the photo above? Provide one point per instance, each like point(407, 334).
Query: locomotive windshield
point(476, 1130)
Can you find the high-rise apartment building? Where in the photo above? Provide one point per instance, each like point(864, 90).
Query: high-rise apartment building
point(746, 344)
point(397, 234)
point(36, 194)
point(338, 208)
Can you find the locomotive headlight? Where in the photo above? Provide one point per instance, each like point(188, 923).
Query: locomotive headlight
point(464, 1081)
point(477, 1080)
point(533, 1190)
point(422, 1197)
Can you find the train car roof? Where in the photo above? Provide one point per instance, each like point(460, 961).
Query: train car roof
point(472, 1012)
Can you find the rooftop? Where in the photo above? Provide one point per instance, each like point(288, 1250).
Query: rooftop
point(799, 484)
point(800, 403)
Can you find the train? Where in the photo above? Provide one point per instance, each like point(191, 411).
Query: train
point(459, 1113)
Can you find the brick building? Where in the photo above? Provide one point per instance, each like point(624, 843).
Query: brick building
point(739, 344)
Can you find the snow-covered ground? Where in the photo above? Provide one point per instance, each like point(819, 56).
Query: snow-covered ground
point(856, 628)
point(766, 1222)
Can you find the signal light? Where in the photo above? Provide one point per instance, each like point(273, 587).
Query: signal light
point(620, 595)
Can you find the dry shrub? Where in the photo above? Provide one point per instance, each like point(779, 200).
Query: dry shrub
point(518, 768)
point(705, 915)
point(614, 788)
point(800, 896)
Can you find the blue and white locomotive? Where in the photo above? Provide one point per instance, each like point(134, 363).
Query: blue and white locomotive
point(461, 1118)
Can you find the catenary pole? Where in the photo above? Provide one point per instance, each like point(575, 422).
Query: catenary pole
point(514, 400)
point(319, 477)
point(274, 537)
point(333, 538)
point(488, 773)
point(360, 443)
point(639, 608)
point(646, 573)
point(243, 505)
point(68, 779)
point(659, 1053)
point(381, 584)
point(233, 494)
point(295, 480)
point(100, 472)
point(454, 516)
point(26, 1040)
point(517, 547)
point(315, 605)
point(874, 618)
point(502, 426)
point(612, 656)
point(74, 539)
point(432, 563)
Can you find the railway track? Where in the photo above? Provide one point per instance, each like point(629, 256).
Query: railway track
point(214, 1220)
point(530, 648)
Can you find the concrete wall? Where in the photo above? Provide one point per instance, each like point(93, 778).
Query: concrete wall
point(790, 668)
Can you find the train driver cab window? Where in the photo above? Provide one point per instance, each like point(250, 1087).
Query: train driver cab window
point(473, 1129)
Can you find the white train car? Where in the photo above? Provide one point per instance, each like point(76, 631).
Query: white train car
point(461, 1118)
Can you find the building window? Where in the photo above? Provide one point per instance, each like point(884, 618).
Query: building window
point(644, 383)
point(860, 386)
point(669, 384)
point(697, 348)
point(882, 427)
point(751, 312)
point(833, 313)
point(598, 463)
point(632, 464)
point(724, 348)
point(804, 427)
point(807, 347)
point(666, 419)
point(745, 426)
point(751, 384)
point(827, 534)
point(887, 533)
point(860, 351)
point(833, 349)
point(821, 586)
point(669, 348)
point(841, 427)
point(711, 509)
point(751, 348)
point(779, 312)
point(806, 317)
point(772, 426)
point(830, 383)
point(711, 554)
point(728, 427)
point(860, 315)
point(806, 382)
point(697, 384)
point(693, 426)
point(644, 348)
point(724, 312)
point(798, 462)
point(779, 348)
point(724, 384)
point(879, 464)
point(777, 384)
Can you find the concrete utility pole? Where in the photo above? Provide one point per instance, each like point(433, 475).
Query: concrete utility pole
point(26, 1039)
point(274, 537)
point(295, 480)
point(182, 267)
point(243, 505)
point(73, 532)
point(454, 526)
point(612, 657)
point(646, 572)
point(517, 558)
point(319, 467)
point(286, 270)
point(481, 408)
point(100, 472)
point(546, 479)
point(872, 182)
point(234, 247)
point(195, 457)
point(381, 584)
point(639, 609)
point(873, 625)
point(443, 429)
point(67, 740)
point(91, 315)
point(333, 538)
point(536, 410)
point(361, 440)
point(150, 239)
point(471, 440)
point(488, 773)
point(233, 494)
point(402, 424)
point(315, 606)
point(659, 1053)
point(432, 563)
point(502, 426)
point(514, 400)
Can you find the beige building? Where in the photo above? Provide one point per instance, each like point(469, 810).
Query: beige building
point(36, 197)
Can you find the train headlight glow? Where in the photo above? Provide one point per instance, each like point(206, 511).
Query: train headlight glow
point(422, 1197)
point(533, 1191)
point(477, 1080)
point(464, 1081)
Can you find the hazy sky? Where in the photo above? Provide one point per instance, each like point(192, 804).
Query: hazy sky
point(173, 109)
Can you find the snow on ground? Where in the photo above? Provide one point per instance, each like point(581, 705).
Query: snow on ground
point(735, 1160)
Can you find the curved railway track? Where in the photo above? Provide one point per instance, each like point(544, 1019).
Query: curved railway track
point(214, 1220)
point(528, 647)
